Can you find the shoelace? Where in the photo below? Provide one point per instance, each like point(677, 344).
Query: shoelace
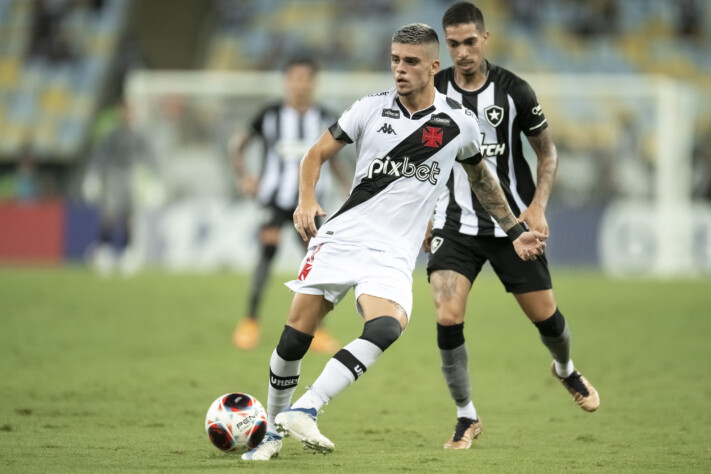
point(463, 425)
point(573, 381)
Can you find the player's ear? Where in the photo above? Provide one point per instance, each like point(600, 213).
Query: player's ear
point(435, 67)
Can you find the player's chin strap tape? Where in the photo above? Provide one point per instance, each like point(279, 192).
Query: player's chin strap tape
point(293, 344)
point(382, 331)
point(515, 231)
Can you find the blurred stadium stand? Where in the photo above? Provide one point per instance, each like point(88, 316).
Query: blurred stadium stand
point(62, 63)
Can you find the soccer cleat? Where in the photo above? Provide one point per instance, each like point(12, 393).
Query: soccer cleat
point(584, 394)
point(246, 335)
point(324, 342)
point(301, 424)
point(465, 432)
point(269, 448)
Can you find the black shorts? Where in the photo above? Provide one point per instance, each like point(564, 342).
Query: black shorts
point(467, 254)
point(274, 216)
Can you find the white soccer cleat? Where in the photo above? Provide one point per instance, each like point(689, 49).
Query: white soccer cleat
point(301, 424)
point(269, 448)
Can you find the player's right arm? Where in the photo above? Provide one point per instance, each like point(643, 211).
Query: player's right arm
point(308, 208)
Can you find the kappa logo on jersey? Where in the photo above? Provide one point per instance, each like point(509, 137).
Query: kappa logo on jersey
point(436, 244)
point(432, 137)
point(494, 115)
point(403, 168)
point(390, 113)
point(537, 110)
point(387, 129)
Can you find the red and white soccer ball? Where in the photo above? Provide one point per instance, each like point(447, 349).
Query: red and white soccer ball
point(236, 422)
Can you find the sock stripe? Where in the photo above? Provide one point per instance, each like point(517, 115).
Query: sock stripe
point(356, 367)
point(282, 383)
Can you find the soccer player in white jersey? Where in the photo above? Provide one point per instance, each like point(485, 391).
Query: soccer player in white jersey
point(407, 140)
point(465, 236)
point(287, 129)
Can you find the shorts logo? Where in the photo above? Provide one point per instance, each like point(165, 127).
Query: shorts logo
point(432, 137)
point(308, 265)
point(494, 115)
point(436, 244)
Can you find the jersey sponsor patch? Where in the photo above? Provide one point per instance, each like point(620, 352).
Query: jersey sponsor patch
point(390, 113)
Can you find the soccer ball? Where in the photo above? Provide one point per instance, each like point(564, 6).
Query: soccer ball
point(236, 422)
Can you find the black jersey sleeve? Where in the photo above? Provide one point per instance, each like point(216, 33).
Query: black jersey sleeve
point(530, 114)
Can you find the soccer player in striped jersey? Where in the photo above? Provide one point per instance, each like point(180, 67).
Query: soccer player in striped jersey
point(407, 140)
point(464, 236)
point(287, 129)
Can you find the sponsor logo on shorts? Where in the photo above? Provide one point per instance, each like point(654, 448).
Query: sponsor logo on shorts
point(436, 244)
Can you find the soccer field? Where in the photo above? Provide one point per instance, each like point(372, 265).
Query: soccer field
point(116, 375)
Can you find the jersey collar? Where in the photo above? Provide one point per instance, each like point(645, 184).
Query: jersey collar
point(417, 115)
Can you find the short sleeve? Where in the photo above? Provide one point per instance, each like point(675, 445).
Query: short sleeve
point(530, 114)
point(350, 125)
point(470, 149)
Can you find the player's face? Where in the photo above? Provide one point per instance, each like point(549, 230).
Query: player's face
point(300, 82)
point(413, 66)
point(467, 46)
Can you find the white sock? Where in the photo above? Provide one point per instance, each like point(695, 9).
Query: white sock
point(564, 369)
point(467, 411)
point(279, 398)
point(339, 373)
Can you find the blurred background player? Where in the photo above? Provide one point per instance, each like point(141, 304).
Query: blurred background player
point(116, 165)
point(287, 129)
point(464, 235)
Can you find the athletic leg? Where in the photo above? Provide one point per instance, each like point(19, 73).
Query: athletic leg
point(384, 322)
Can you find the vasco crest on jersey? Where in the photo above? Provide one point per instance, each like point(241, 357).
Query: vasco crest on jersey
point(494, 115)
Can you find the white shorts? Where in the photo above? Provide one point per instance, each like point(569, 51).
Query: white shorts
point(331, 269)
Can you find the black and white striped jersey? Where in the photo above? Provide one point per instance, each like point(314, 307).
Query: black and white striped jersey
point(403, 161)
point(287, 135)
point(506, 106)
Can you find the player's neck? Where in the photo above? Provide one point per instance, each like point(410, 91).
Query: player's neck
point(420, 101)
point(299, 106)
point(472, 82)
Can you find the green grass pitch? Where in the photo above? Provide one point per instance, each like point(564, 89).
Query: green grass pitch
point(102, 375)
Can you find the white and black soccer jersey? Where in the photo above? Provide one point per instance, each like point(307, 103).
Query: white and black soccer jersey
point(505, 106)
point(287, 135)
point(403, 162)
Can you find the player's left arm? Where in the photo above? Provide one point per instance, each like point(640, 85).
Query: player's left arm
point(535, 215)
point(528, 245)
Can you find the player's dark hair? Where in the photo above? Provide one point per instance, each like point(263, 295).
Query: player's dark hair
point(463, 12)
point(416, 33)
point(302, 61)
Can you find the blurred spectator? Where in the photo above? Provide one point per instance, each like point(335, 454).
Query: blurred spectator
point(48, 40)
point(689, 19)
point(24, 185)
point(113, 182)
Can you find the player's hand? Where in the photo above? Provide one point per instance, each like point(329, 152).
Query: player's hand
point(530, 245)
point(427, 242)
point(249, 186)
point(535, 218)
point(305, 219)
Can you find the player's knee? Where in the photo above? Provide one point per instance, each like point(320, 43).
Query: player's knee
point(293, 344)
point(450, 336)
point(382, 331)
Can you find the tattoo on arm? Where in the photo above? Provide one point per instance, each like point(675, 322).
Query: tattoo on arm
point(490, 194)
point(547, 155)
